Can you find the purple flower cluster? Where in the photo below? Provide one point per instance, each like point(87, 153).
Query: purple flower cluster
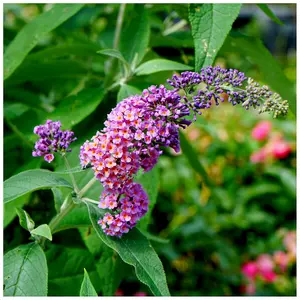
point(139, 126)
point(127, 210)
point(52, 139)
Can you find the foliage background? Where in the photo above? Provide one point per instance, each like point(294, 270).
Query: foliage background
point(203, 230)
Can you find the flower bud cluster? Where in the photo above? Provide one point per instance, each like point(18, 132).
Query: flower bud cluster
point(52, 139)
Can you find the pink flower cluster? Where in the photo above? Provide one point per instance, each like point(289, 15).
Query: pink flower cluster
point(275, 148)
point(268, 267)
point(134, 132)
point(130, 209)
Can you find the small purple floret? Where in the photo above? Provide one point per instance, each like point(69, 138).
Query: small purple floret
point(52, 140)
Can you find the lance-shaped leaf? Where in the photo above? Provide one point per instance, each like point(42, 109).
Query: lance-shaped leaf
point(31, 33)
point(265, 8)
point(158, 65)
point(25, 220)
point(25, 271)
point(30, 181)
point(87, 289)
point(137, 251)
point(210, 25)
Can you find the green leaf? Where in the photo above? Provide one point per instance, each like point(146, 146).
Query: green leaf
point(127, 90)
point(210, 25)
point(135, 36)
point(45, 70)
point(43, 230)
point(66, 265)
point(25, 271)
point(87, 288)
point(25, 220)
point(265, 8)
point(31, 33)
point(135, 249)
point(113, 53)
point(150, 182)
point(74, 109)
point(192, 157)
point(111, 269)
point(14, 110)
point(272, 74)
point(30, 181)
point(158, 65)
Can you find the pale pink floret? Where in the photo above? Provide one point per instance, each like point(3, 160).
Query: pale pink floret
point(261, 130)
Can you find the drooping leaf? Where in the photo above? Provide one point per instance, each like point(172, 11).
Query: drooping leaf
point(46, 70)
point(135, 250)
point(266, 9)
point(30, 181)
point(30, 35)
point(150, 182)
point(272, 74)
point(113, 53)
point(111, 269)
point(25, 220)
point(127, 90)
point(74, 109)
point(25, 271)
point(210, 25)
point(134, 38)
point(43, 230)
point(66, 265)
point(158, 65)
point(87, 289)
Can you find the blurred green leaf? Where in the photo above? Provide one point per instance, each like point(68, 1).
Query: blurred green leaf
point(43, 230)
point(127, 90)
point(74, 109)
point(135, 250)
point(25, 220)
point(30, 277)
point(265, 8)
point(30, 181)
point(87, 289)
point(45, 70)
point(150, 182)
point(30, 35)
point(258, 54)
point(135, 36)
point(210, 25)
point(113, 53)
point(158, 65)
point(65, 266)
point(13, 110)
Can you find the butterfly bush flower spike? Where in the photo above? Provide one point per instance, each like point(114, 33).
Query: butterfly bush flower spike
point(52, 140)
point(140, 127)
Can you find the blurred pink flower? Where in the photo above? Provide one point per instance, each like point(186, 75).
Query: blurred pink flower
point(140, 294)
point(261, 130)
point(250, 288)
point(250, 269)
point(281, 149)
point(289, 242)
point(265, 263)
point(258, 156)
point(268, 276)
point(281, 259)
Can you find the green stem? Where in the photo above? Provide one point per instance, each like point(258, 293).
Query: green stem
point(76, 189)
point(90, 200)
point(86, 187)
point(119, 25)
